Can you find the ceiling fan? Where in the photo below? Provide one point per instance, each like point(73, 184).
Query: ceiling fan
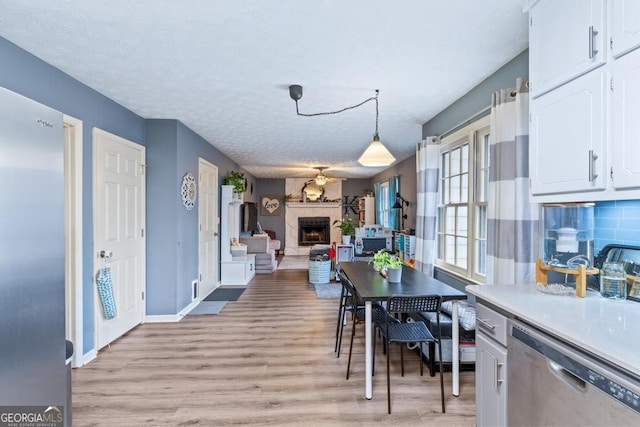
point(321, 178)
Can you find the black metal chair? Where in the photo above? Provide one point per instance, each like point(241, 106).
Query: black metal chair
point(346, 300)
point(410, 332)
point(357, 310)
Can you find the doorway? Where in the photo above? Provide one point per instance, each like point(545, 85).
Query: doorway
point(73, 235)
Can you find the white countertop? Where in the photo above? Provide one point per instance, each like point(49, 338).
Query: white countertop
point(608, 329)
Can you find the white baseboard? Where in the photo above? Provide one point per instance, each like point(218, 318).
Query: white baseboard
point(169, 318)
point(163, 318)
point(88, 357)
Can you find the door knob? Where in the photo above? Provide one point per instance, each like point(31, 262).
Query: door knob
point(105, 254)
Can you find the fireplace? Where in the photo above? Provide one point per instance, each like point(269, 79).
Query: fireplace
point(313, 230)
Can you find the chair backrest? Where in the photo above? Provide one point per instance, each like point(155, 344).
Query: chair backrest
point(413, 304)
point(347, 285)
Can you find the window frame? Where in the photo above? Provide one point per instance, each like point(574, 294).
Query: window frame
point(473, 135)
point(385, 207)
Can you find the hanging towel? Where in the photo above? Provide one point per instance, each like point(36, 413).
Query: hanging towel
point(105, 291)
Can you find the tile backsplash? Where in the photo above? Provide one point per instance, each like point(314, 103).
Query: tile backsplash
point(616, 222)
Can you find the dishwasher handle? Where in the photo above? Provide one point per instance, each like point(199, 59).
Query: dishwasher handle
point(567, 376)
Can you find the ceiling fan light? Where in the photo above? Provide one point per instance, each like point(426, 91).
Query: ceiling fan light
point(321, 179)
point(376, 154)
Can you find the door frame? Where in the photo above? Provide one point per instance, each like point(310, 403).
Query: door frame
point(97, 261)
point(73, 141)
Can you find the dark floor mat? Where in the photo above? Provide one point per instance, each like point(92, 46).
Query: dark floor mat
point(225, 294)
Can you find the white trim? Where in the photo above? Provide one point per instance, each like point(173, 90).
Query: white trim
point(188, 308)
point(465, 135)
point(163, 318)
point(92, 354)
point(169, 318)
point(73, 237)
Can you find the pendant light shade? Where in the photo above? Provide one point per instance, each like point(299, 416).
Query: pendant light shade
point(376, 154)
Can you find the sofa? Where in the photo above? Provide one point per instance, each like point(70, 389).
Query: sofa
point(265, 250)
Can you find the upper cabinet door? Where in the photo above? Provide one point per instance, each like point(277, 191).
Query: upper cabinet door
point(567, 142)
point(625, 31)
point(625, 168)
point(567, 38)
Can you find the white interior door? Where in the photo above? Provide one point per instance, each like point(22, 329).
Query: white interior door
point(119, 192)
point(208, 221)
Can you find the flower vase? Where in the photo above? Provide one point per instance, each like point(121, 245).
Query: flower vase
point(346, 239)
point(394, 274)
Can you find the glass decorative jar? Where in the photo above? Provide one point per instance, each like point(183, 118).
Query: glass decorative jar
point(613, 281)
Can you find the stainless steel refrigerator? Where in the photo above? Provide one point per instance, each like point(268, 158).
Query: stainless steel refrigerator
point(32, 288)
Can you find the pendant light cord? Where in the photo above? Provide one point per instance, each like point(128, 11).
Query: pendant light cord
point(377, 92)
point(373, 98)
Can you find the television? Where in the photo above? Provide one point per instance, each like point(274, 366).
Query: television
point(249, 217)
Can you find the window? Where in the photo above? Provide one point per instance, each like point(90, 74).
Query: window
point(385, 207)
point(462, 211)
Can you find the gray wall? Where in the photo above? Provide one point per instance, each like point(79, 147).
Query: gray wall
point(406, 170)
point(172, 231)
point(273, 187)
point(27, 75)
point(467, 106)
point(172, 150)
point(477, 98)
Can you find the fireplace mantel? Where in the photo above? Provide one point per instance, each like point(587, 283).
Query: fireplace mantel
point(294, 205)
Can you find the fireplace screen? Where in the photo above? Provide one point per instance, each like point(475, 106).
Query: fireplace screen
point(313, 230)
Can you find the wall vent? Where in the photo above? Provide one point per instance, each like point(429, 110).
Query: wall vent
point(194, 290)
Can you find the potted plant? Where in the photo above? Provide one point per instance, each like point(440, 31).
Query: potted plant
point(389, 265)
point(346, 227)
point(237, 180)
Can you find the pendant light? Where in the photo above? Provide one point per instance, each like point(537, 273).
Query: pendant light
point(376, 153)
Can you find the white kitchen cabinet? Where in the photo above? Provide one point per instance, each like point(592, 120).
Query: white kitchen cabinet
point(568, 135)
point(491, 383)
point(567, 38)
point(625, 166)
point(625, 33)
point(491, 367)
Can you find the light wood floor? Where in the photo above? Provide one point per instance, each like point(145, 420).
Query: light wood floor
point(267, 359)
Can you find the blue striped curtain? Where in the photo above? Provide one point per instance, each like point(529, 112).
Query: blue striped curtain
point(427, 167)
point(512, 221)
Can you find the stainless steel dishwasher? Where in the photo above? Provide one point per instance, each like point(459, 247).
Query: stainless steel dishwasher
point(551, 383)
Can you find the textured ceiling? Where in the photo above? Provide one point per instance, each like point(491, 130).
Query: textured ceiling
point(223, 67)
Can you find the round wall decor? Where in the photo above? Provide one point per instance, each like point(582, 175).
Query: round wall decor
point(188, 191)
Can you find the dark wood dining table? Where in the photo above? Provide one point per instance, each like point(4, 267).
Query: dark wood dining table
point(371, 286)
